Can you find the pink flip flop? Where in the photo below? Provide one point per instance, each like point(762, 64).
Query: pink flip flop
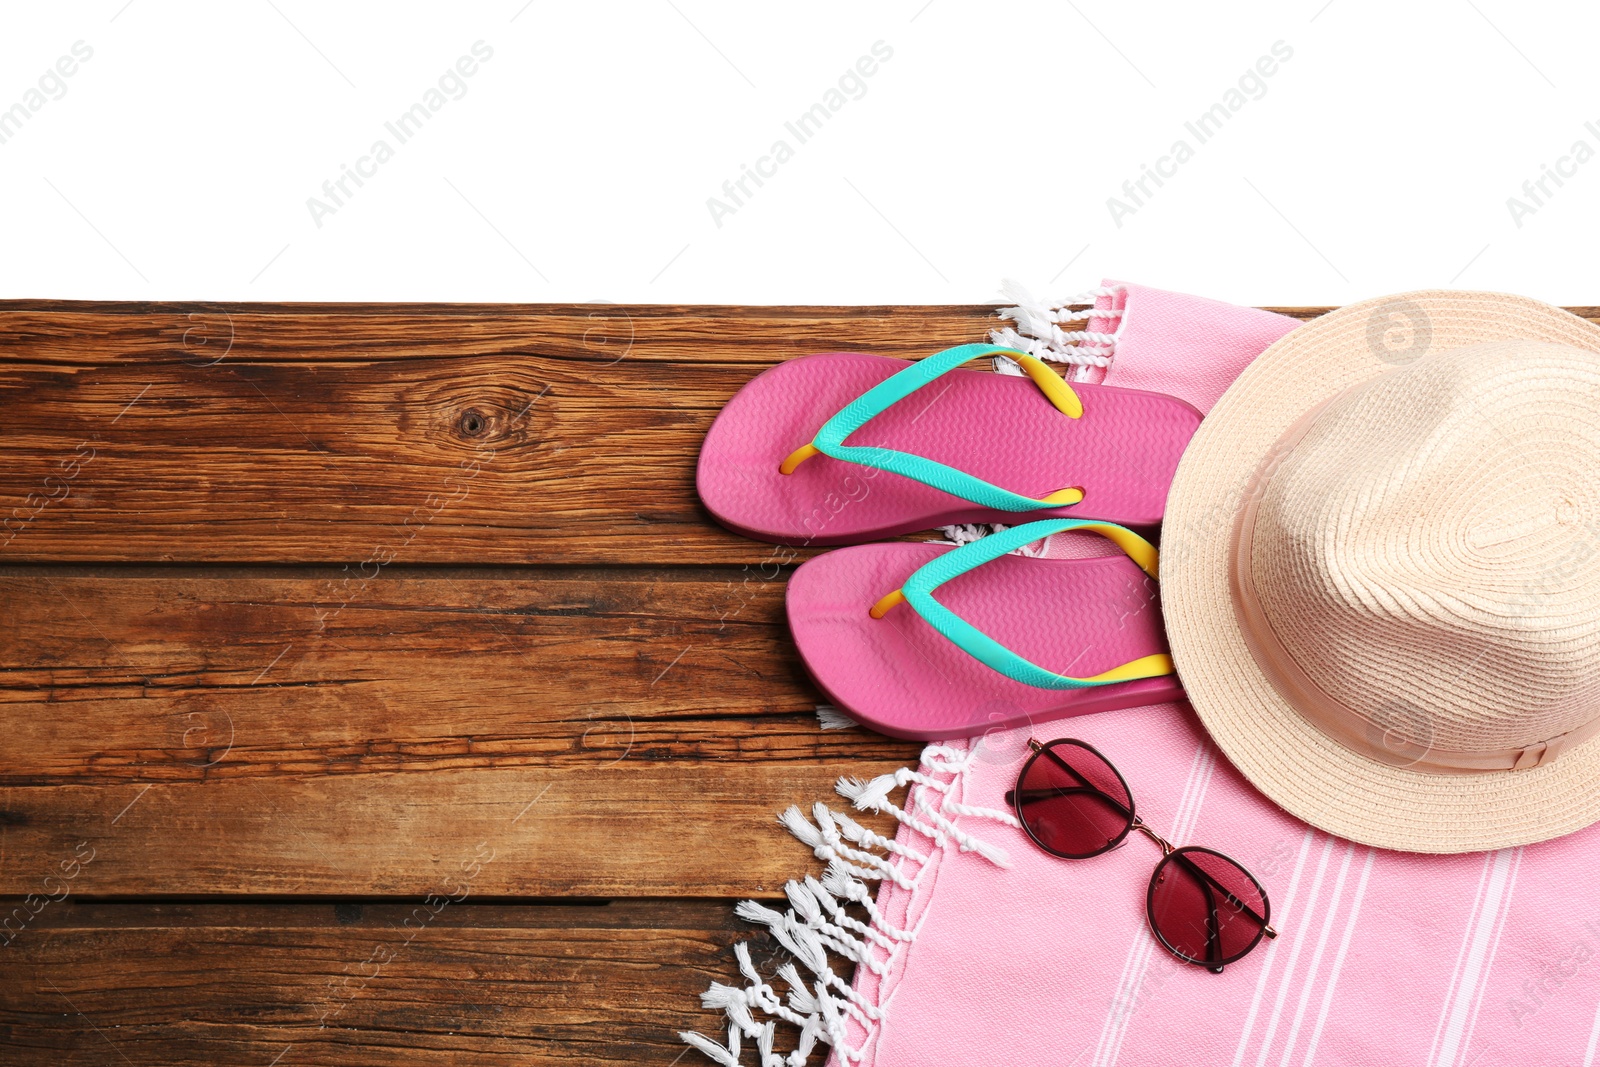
point(993, 650)
point(932, 445)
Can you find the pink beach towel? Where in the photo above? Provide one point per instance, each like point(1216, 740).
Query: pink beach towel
point(1142, 338)
point(1383, 957)
point(978, 948)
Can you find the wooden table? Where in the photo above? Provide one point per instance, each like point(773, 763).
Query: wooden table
point(375, 689)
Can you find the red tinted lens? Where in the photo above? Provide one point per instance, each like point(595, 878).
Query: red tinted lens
point(1072, 801)
point(1206, 907)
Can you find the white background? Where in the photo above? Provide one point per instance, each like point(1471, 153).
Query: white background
point(578, 164)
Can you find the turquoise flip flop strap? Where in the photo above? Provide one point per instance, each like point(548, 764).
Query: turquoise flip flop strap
point(918, 593)
point(850, 418)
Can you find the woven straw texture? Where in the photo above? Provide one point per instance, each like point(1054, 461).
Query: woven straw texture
point(1428, 553)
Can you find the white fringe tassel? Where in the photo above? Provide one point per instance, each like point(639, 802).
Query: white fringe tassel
point(966, 533)
point(819, 920)
point(1038, 331)
point(831, 718)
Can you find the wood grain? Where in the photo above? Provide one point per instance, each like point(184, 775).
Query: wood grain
point(149, 675)
point(679, 830)
point(270, 733)
point(185, 985)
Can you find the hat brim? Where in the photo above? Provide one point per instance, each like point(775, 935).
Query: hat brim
point(1296, 765)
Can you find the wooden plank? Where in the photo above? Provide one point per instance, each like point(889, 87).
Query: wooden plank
point(370, 433)
point(153, 675)
point(294, 984)
point(262, 731)
point(488, 434)
point(700, 829)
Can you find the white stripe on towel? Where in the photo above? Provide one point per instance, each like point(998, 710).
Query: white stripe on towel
point(1294, 951)
point(1479, 945)
point(1338, 959)
point(1308, 984)
point(1130, 988)
point(1594, 1039)
point(1272, 949)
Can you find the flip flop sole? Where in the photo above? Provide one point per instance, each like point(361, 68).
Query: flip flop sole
point(901, 677)
point(1122, 452)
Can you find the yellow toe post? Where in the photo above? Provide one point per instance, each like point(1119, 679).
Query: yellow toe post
point(797, 457)
point(1142, 552)
point(1051, 385)
point(884, 606)
point(1144, 667)
point(1062, 497)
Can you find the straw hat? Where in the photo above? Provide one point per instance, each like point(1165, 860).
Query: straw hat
point(1381, 572)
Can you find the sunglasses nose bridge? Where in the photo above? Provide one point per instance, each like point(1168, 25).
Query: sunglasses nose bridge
point(1166, 846)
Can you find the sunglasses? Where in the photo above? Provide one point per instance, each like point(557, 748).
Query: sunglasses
point(1203, 907)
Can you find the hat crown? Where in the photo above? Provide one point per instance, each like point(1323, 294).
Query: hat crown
point(1428, 553)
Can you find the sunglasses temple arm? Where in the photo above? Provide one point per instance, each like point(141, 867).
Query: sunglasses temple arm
point(1046, 794)
point(1081, 780)
point(1195, 869)
point(1213, 932)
